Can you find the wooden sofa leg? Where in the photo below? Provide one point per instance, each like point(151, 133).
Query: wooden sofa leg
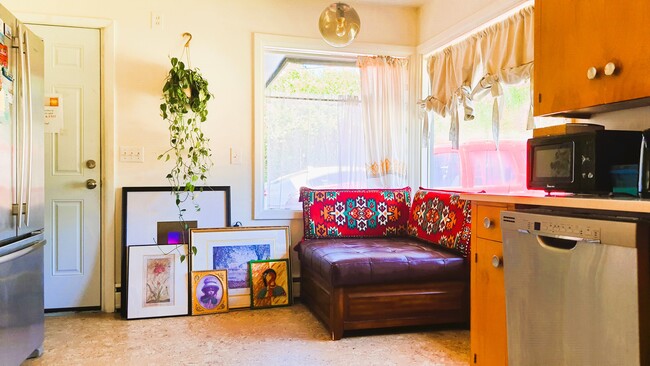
point(336, 314)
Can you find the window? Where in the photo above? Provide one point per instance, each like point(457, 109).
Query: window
point(308, 129)
point(477, 164)
point(485, 76)
point(305, 100)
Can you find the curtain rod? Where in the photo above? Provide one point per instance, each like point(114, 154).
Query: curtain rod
point(355, 99)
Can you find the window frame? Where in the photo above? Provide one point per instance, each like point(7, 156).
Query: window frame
point(300, 46)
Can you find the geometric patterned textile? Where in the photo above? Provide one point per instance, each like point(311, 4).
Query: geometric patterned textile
point(441, 218)
point(349, 213)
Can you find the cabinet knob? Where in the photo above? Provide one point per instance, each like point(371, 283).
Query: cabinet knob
point(496, 261)
point(610, 69)
point(487, 223)
point(591, 73)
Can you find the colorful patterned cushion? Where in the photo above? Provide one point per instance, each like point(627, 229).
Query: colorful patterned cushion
point(348, 213)
point(442, 218)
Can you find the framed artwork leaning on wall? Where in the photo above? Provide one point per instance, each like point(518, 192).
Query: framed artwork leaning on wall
point(157, 281)
point(209, 292)
point(232, 248)
point(270, 283)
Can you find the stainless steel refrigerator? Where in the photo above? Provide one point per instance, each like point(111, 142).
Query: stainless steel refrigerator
point(21, 191)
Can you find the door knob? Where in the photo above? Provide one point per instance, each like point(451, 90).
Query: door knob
point(91, 184)
point(90, 164)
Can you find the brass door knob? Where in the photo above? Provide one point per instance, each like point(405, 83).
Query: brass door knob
point(90, 164)
point(91, 184)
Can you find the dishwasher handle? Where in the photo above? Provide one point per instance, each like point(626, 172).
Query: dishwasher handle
point(558, 242)
point(21, 252)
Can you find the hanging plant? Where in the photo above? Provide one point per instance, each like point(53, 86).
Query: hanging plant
point(184, 107)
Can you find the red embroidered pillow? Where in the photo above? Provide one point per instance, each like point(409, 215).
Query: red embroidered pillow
point(441, 218)
point(355, 212)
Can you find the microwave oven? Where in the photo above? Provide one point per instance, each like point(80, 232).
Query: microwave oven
point(580, 162)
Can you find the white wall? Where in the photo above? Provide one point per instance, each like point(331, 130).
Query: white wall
point(222, 47)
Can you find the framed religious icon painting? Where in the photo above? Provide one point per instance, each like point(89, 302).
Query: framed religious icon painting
point(269, 283)
point(232, 248)
point(209, 292)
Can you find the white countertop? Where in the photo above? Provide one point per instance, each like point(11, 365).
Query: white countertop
point(589, 202)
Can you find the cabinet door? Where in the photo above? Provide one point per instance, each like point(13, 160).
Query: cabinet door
point(573, 36)
point(488, 309)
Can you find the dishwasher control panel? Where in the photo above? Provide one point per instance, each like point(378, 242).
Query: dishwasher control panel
point(564, 229)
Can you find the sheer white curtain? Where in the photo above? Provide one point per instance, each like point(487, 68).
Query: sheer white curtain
point(385, 115)
point(352, 153)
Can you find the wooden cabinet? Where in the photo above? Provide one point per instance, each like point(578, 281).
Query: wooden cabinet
point(488, 311)
point(572, 37)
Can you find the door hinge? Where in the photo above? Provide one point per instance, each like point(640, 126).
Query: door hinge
point(475, 257)
point(475, 358)
point(539, 98)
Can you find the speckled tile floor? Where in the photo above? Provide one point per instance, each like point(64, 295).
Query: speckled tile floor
point(279, 336)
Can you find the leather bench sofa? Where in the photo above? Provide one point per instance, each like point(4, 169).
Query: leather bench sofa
point(371, 259)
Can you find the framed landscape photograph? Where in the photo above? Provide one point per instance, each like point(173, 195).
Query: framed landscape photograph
point(209, 292)
point(158, 281)
point(269, 283)
point(232, 248)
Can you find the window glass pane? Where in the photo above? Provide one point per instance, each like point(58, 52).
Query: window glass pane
point(478, 165)
point(309, 116)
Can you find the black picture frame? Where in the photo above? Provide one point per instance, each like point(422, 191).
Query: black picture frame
point(143, 208)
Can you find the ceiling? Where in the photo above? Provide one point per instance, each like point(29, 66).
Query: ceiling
point(414, 3)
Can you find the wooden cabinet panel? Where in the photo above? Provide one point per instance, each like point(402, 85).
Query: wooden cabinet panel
point(572, 36)
point(489, 222)
point(488, 310)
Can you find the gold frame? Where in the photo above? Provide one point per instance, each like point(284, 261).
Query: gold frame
point(198, 277)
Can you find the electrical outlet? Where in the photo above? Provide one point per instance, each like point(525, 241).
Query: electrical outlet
point(235, 156)
point(132, 154)
point(156, 20)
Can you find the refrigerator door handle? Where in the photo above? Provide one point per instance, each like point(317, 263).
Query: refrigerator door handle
point(19, 253)
point(20, 151)
point(27, 103)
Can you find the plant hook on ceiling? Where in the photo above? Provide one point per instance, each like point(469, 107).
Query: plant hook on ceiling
point(184, 107)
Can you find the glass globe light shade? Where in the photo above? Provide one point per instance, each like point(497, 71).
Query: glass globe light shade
point(339, 24)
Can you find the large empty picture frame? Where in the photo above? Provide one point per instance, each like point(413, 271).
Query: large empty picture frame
point(150, 216)
point(232, 248)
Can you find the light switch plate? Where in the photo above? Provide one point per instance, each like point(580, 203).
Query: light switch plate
point(132, 154)
point(235, 156)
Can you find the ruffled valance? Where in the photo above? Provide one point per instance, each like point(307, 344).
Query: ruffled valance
point(479, 66)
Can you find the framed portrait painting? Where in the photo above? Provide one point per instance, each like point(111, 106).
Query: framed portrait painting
point(209, 292)
point(232, 248)
point(158, 281)
point(269, 283)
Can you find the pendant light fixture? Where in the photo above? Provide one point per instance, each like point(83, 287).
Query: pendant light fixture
point(339, 24)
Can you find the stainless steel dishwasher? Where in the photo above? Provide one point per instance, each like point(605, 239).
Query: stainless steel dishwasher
point(576, 289)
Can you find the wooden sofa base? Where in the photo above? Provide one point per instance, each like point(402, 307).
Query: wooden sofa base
point(381, 306)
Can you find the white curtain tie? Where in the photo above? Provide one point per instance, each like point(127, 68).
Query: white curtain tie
point(453, 127)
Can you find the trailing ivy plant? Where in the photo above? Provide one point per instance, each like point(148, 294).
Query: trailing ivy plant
point(184, 107)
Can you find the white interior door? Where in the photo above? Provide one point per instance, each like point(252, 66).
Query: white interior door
point(72, 164)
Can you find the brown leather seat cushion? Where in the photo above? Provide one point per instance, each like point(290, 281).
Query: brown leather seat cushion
point(369, 261)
